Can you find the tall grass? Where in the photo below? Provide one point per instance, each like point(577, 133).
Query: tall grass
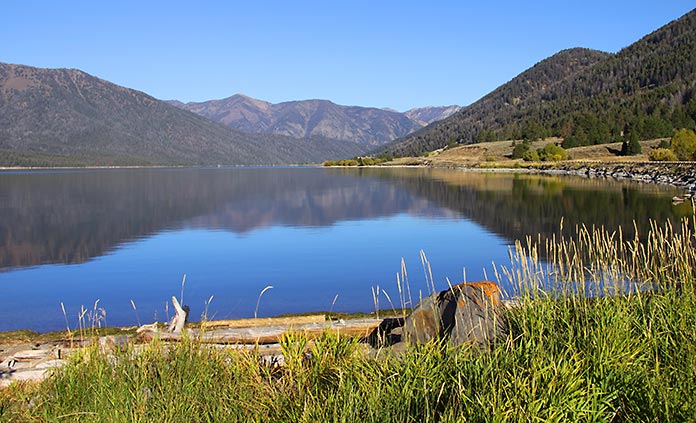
point(604, 331)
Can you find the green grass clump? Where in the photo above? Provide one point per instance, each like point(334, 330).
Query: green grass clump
point(583, 348)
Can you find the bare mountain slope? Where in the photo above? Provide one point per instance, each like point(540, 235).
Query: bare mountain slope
point(367, 126)
point(69, 113)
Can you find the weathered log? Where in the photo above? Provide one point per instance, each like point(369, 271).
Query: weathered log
point(264, 321)
point(269, 334)
point(176, 325)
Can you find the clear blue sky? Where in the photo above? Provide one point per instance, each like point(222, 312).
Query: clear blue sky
point(398, 54)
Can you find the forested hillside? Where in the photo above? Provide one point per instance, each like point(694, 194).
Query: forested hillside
point(585, 96)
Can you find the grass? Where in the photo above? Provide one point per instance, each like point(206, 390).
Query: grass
point(577, 351)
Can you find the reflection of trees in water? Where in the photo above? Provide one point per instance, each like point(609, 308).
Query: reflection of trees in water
point(516, 206)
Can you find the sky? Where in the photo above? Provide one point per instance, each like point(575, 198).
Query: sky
point(395, 54)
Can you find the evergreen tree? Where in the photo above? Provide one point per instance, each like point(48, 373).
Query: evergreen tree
point(519, 150)
point(630, 146)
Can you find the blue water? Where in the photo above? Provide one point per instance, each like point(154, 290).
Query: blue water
point(307, 268)
point(322, 239)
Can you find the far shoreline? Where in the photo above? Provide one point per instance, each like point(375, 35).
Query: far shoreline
point(681, 175)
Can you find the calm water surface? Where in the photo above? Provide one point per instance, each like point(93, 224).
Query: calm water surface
point(323, 238)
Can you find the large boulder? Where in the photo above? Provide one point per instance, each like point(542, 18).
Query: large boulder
point(465, 313)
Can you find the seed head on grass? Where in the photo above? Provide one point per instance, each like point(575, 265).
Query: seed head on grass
point(258, 300)
point(135, 309)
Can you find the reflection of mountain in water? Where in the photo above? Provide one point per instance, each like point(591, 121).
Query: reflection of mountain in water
point(515, 206)
point(69, 217)
point(349, 199)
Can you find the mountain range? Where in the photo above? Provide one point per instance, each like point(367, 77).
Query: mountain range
point(584, 96)
point(68, 117)
point(366, 126)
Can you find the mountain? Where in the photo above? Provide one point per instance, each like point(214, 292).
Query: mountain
point(428, 115)
point(584, 96)
point(66, 116)
point(310, 118)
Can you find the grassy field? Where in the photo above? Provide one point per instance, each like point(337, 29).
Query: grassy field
point(499, 152)
point(605, 331)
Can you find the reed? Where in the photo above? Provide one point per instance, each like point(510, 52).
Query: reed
point(603, 331)
point(258, 300)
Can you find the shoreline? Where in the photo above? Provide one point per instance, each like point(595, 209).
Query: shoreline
point(680, 175)
point(50, 168)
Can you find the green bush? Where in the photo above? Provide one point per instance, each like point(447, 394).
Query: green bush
point(662, 155)
point(358, 161)
point(519, 150)
point(684, 144)
point(553, 153)
point(530, 156)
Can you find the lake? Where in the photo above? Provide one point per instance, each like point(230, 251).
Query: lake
point(324, 239)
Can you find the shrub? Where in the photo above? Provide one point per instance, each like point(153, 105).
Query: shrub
point(553, 152)
point(530, 156)
point(519, 150)
point(662, 155)
point(684, 144)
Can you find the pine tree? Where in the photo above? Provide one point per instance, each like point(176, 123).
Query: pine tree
point(631, 146)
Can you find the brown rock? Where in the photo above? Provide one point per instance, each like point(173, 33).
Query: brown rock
point(465, 313)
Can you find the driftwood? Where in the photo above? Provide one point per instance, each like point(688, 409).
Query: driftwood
point(265, 321)
point(176, 325)
point(269, 334)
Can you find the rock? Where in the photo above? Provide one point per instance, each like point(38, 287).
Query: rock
point(424, 323)
point(108, 344)
point(478, 315)
point(465, 313)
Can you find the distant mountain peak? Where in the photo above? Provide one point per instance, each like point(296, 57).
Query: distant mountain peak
point(368, 126)
point(428, 115)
